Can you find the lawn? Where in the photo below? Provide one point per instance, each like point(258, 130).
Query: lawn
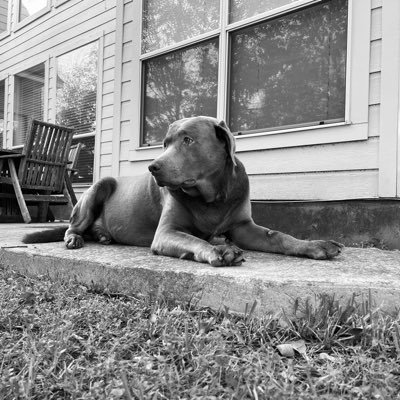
point(62, 340)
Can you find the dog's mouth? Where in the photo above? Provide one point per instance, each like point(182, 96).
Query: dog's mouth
point(186, 184)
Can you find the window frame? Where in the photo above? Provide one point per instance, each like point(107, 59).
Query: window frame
point(354, 126)
point(45, 61)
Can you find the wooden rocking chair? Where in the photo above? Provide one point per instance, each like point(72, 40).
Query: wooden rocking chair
point(39, 174)
point(72, 170)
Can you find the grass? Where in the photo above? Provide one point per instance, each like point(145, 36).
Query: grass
point(66, 341)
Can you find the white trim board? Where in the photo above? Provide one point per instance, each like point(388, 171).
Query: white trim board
point(389, 118)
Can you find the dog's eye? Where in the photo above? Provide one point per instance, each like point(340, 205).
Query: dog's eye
point(187, 140)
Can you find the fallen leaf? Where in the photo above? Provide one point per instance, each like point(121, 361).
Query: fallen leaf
point(153, 318)
point(326, 357)
point(289, 349)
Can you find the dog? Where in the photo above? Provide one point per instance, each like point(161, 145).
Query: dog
point(195, 191)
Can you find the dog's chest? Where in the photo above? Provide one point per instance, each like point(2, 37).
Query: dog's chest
point(212, 220)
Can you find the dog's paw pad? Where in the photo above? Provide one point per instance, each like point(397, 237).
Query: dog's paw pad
point(104, 240)
point(226, 255)
point(74, 241)
point(324, 249)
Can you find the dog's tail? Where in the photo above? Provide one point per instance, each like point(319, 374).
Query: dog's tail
point(46, 236)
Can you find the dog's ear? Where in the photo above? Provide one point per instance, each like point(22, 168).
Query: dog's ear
point(224, 134)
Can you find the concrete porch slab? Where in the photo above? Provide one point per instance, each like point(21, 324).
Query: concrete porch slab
point(274, 281)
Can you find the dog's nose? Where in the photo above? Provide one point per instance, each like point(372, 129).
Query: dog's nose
point(154, 167)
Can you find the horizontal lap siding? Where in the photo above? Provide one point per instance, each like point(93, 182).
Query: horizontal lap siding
point(63, 29)
point(325, 172)
point(319, 172)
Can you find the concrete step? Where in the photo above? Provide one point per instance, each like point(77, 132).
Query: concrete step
point(274, 281)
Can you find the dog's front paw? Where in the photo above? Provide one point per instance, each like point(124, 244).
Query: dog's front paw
point(324, 249)
point(73, 241)
point(223, 255)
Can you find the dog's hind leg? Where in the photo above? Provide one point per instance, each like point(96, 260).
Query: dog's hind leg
point(87, 211)
point(99, 233)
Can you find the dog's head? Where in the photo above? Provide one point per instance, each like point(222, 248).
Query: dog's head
point(196, 152)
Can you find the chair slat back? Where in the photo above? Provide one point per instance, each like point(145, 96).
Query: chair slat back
point(73, 157)
point(46, 153)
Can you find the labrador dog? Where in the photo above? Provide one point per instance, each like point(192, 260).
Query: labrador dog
point(195, 191)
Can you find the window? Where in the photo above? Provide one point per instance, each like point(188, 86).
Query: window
point(177, 85)
point(28, 100)
point(290, 70)
point(30, 7)
point(2, 111)
point(76, 102)
point(281, 63)
point(4, 4)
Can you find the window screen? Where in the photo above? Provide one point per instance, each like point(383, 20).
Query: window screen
point(30, 7)
point(4, 4)
point(2, 111)
point(76, 100)
point(290, 70)
point(178, 85)
point(28, 100)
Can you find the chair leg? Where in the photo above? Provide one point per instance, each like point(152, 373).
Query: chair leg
point(18, 192)
point(43, 209)
point(70, 189)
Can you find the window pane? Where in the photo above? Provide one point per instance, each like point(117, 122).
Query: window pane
point(178, 85)
point(28, 100)
point(84, 167)
point(30, 7)
point(290, 70)
point(3, 14)
point(2, 111)
point(77, 89)
point(170, 21)
point(241, 9)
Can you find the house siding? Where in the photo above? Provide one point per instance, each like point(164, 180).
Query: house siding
point(318, 169)
point(66, 26)
point(330, 171)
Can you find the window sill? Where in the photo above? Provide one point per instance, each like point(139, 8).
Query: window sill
point(28, 20)
point(306, 136)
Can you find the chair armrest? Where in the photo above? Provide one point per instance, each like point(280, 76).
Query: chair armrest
point(12, 156)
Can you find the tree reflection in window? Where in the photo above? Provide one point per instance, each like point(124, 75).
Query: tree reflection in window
point(170, 21)
point(179, 85)
point(77, 88)
point(290, 70)
point(242, 9)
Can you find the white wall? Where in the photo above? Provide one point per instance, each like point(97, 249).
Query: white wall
point(333, 169)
